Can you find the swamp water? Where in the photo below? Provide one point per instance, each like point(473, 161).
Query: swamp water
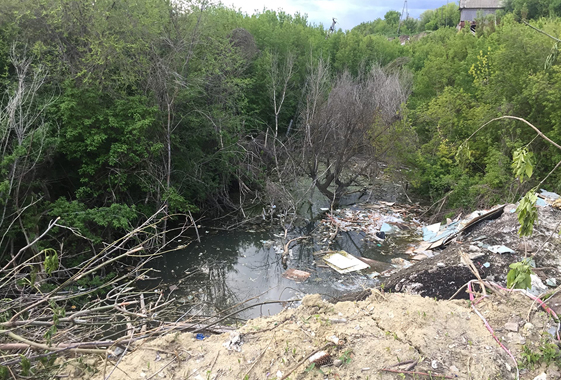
point(227, 268)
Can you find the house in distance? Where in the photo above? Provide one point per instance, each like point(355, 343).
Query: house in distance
point(470, 10)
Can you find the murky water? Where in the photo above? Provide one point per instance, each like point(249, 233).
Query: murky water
point(226, 268)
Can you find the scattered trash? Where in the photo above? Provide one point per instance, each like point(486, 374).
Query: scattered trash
point(548, 195)
point(344, 262)
point(552, 331)
point(373, 275)
point(475, 255)
point(267, 243)
point(434, 364)
point(487, 265)
point(548, 198)
point(296, 275)
point(538, 286)
point(551, 282)
point(499, 249)
point(430, 232)
point(419, 257)
point(440, 265)
point(386, 228)
point(399, 262)
point(542, 376)
point(320, 358)
point(200, 336)
point(235, 342)
point(117, 351)
point(438, 235)
point(541, 202)
point(424, 246)
point(376, 221)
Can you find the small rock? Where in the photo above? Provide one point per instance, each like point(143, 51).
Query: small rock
point(528, 326)
point(474, 248)
point(511, 326)
point(312, 300)
point(508, 367)
point(516, 338)
point(77, 372)
point(553, 371)
point(337, 320)
point(333, 339)
point(337, 362)
point(475, 255)
point(543, 376)
point(441, 265)
point(434, 364)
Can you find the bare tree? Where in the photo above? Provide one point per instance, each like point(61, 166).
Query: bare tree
point(23, 133)
point(348, 124)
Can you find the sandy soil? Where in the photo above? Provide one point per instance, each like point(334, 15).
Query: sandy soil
point(444, 337)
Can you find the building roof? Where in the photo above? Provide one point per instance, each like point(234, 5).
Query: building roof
point(481, 4)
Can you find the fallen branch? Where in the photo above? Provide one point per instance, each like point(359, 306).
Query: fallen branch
point(54, 349)
point(286, 250)
point(431, 375)
point(239, 311)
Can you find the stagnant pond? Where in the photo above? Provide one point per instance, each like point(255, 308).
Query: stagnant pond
point(226, 268)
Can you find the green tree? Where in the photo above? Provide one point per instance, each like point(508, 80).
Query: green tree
point(392, 18)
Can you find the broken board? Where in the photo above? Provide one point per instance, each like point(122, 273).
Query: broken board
point(344, 262)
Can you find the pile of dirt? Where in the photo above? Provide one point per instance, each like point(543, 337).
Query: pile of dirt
point(359, 340)
point(443, 274)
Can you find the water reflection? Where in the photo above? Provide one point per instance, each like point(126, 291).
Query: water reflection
point(228, 268)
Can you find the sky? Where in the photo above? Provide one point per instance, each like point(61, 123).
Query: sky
point(349, 13)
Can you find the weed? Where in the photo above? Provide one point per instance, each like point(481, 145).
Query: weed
point(346, 356)
point(546, 353)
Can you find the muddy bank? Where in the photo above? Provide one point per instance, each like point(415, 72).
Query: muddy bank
point(363, 338)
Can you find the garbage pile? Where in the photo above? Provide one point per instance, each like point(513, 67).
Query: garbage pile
point(386, 223)
point(375, 220)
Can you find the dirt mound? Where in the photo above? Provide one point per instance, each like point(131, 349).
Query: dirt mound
point(443, 274)
point(359, 339)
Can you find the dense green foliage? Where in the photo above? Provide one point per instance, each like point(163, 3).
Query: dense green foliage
point(113, 109)
point(463, 82)
point(445, 16)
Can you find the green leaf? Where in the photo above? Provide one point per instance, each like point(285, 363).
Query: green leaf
point(527, 213)
point(522, 163)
